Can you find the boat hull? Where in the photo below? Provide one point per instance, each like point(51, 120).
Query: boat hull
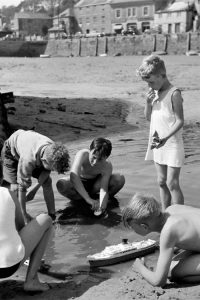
point(122, 257)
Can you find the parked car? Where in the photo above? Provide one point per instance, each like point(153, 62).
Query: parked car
point(94, 34)
point(130, 31)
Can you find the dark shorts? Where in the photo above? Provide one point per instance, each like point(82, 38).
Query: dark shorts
point(10, 165)
point(7, 272)
point(88, 183)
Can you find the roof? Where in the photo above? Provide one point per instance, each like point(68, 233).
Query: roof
point(31, 15)
point(91, 2)
point(177, 6)
point(56, 29)
point(66, 13)
point(140, 2)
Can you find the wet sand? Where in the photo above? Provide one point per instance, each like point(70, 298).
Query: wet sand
point(73, 100)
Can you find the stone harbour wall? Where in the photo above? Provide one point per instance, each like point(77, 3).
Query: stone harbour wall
point(125, 45)
point(112, 46)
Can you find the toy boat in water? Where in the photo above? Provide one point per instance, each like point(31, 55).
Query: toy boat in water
point(122, 252)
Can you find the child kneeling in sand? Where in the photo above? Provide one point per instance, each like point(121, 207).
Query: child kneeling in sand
point(19, 241)
point(90, 174)
point(179, 226)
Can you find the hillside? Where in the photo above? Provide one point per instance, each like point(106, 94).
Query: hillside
point(52, 7)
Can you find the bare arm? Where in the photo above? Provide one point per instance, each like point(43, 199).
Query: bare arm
point(103, 196)
point(33, 190)
point(148, 104)
point(22, 201)
point(177, 104)
point(159, 276)
point(76, 180)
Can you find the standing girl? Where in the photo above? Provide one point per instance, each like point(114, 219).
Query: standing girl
point(164, 110)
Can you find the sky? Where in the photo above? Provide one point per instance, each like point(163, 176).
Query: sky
point(9, 2)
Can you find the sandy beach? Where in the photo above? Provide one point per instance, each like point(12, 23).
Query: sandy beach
point(73, 100)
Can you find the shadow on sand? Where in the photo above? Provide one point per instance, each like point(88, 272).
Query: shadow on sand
point(72, 285)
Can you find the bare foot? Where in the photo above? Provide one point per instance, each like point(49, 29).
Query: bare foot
point(35, 286)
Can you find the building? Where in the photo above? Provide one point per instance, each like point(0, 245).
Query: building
point(132, 14)
point(31, 24)
point(114, 15)
point(66, 21)
point(93, 16)
point(177, 17)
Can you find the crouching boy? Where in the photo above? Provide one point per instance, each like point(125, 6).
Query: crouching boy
point(179, 226)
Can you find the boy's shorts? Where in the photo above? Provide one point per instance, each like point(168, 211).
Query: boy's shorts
point(88, 183)
point(9, 165)
point(7, 272)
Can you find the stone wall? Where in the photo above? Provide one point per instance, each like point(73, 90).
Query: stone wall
point(125, 45)
point(112, 46)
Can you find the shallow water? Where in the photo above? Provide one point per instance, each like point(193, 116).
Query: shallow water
point(81, 236)
point(86, 77)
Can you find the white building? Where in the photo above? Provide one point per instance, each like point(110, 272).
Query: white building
point(176, 18)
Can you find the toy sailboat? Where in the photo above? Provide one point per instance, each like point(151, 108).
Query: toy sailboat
point(122, 252)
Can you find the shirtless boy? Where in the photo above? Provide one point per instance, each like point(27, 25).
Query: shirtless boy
point(179, 226)
point(90, 174)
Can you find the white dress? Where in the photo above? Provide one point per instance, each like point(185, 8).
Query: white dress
point(162, 119)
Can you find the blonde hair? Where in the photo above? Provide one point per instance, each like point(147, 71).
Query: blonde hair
point(57, 154)
point(151, 65)
point(141, 207)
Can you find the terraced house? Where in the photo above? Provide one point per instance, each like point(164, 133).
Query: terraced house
point(93, 16)
point(109, 16)
point(178, 17)
point(132, 14)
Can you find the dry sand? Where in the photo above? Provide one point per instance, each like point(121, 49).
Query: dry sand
point(75, 99)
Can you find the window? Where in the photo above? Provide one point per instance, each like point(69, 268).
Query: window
point(118, 13)
point(169, 15)
point(87, 20)
point(169, 28)
point(103, 19)
point(159, 16)
point(129, 12)
point(177, 27)
point(145, 11)
point(145, 25)
point(94, 19)
point(178, 13)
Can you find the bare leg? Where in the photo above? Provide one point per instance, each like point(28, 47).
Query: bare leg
point(165, 195)
point(188, 269)
point(116, 183)
point(66, 189)
point(35, 236)
point(174, 187)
